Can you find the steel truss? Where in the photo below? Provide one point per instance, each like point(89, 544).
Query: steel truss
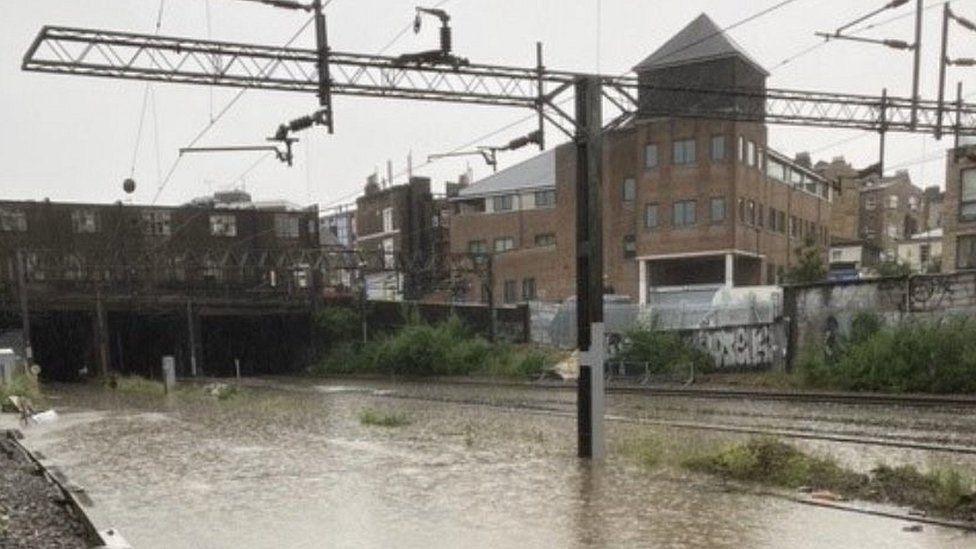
point(125, 55)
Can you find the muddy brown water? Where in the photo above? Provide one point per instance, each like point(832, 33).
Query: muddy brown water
point(290, 465)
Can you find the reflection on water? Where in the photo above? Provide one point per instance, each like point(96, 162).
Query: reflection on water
point(296, 469)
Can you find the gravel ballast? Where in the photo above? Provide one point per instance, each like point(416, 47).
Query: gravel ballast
point(30, 513)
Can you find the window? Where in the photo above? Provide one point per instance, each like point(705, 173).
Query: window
point(630, 247)
point(742, 210)
point(13, 220)
point(509, 291)
point(286, 226)
point(776, 170)
point(924, 253)
point(751, 212)
point(545, 199)
point(770, 273)
point(684, 213)
point(502, 203)
point(684, 152)
point(717, 210)
point(651, 218)
point(893, 202)
point(870, 203)
point(650, 156)
point(223, 225)
point(718, 148)
point(967, 196)
point(387, 220)
point(156, 223)
point(751, 153)
point(836, 255)
point(477, 247)
point(892, 230)
point(772, 219)
point(504, 244)
point(543, 240)
point(794, 227)
point(913, 203)
point(389, 256)
point(760, 215)
point(742, 149)
point(781, 221)
point(528, 289)
point(83, 221)
point(629, 190)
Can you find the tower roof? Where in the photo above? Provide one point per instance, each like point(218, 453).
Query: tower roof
point(701, 40)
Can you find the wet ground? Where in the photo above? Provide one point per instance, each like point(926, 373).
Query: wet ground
point(289, 464)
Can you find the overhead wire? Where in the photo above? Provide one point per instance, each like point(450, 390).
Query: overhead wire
point(230, 104)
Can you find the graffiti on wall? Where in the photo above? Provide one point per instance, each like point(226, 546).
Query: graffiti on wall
point(738, 347)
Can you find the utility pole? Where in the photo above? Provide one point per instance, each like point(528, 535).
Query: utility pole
point(589, 267)
point(916, 74)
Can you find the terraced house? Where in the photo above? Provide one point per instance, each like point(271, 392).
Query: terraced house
point(686, 202)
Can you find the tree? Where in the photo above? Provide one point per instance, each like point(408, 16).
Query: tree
point(810, 267)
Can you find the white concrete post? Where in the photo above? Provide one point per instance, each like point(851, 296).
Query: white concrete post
point(169, 373)
point(642, 282)
point(596, 358)
point(729, 270)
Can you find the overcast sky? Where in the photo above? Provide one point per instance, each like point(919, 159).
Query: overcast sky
point(73, 138)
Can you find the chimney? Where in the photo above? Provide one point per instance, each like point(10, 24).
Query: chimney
point(372, 184)
point(803, 159)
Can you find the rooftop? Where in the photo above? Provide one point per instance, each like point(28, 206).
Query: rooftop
point(534, 173)
point(701, 40)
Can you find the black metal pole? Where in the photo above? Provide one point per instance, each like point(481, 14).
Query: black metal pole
point(943, 62)
point(540, 100)
point(916, 70)
point(322, 63)
point(589, 251)
point(883, 130)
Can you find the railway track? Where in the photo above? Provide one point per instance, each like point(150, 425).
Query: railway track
point(815, 435)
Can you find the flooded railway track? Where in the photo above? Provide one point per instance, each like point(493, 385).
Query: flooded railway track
point(912, 443)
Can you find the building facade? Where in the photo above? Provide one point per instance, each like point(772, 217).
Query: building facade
point(922, 252)
point(686, 202)
point(959, 211)
point(890, 212)
point(399, 231)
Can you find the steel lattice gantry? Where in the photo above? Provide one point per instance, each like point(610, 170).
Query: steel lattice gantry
point(207, 62)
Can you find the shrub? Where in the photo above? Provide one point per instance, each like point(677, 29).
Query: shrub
point(369, 416)
point(912, 357)
point(445, 349)
point(21, 386)
point(664, 352)
point(337, 324)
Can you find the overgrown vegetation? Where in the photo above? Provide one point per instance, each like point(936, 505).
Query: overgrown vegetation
point(774, 463)
point(21, 386)
point(810, 267)
point(929, 357)
point(663, 352)
point(337, 324)
point(377, 418)
point(445, 349)
point(893, 268)
point(135, 385)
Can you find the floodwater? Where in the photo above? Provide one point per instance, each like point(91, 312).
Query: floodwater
point(290, 465)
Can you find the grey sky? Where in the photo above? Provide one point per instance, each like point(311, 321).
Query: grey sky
point(72, 138)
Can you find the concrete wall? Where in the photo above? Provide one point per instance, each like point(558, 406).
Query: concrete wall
point(823, 313)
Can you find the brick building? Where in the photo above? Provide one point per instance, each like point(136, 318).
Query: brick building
point(932, 200)
point(205, 282)
point(890, 211)
point(401, 226)
point(959, 211)
point(686, 201)
point(845, 211)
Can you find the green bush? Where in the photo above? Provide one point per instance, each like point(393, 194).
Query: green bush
point(20, 386)
point(337, 324)
point(444, 349)
point(912, 357)
point(664, 352)
point(376, 418)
